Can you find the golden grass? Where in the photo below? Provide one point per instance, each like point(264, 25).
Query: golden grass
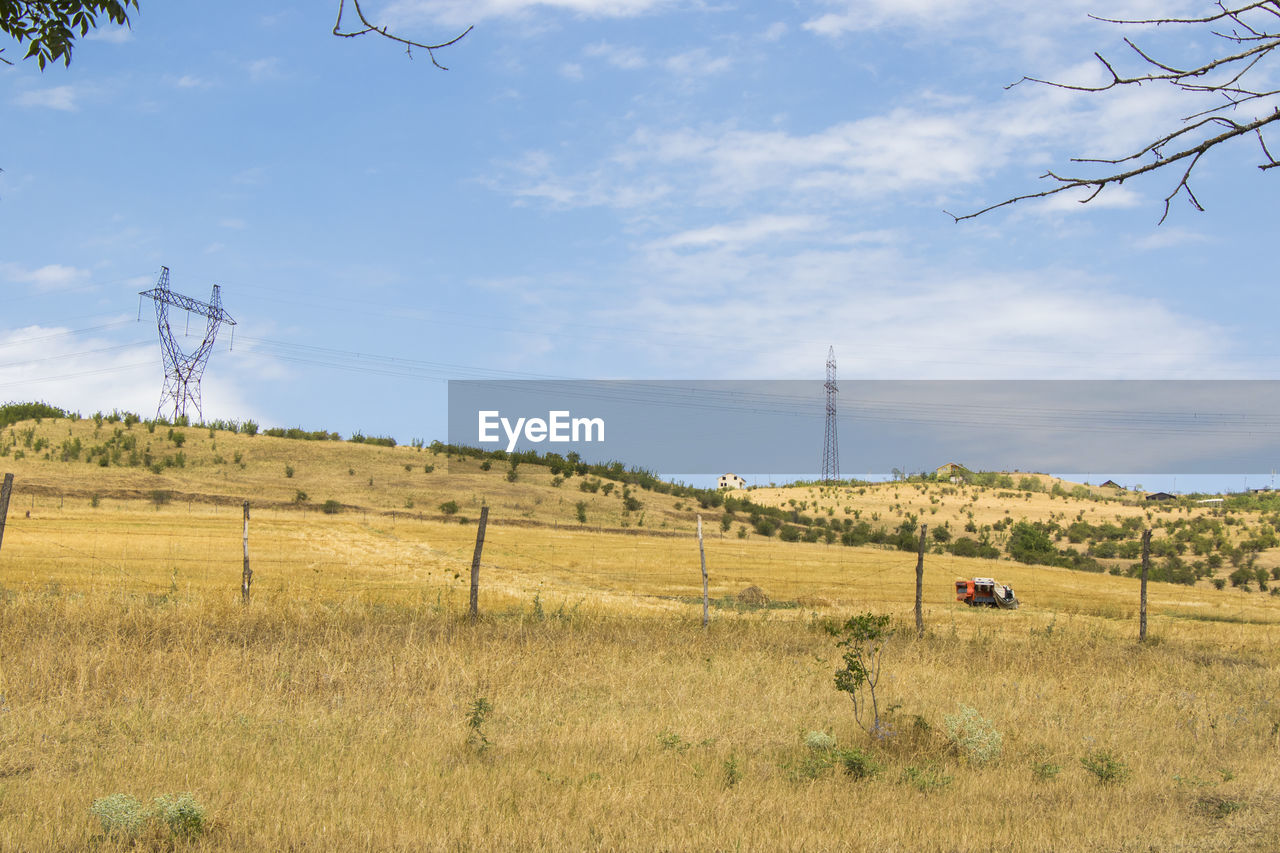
point(306, 726)
point(330, 714)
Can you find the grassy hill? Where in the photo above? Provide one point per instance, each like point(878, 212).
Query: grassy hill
point(352, 705)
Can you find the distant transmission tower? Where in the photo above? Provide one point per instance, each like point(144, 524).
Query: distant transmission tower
point(182, 372)
point(830, 447)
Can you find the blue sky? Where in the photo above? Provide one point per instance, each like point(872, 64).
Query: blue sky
point(635, 189)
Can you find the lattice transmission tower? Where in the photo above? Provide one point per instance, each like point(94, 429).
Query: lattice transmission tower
point(830, 446)
point(183, 371)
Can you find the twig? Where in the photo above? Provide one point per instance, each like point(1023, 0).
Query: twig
point(409, 45)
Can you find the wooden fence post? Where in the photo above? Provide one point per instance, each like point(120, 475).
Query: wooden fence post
point(702, 554)
point(247, 577)
point(920, 583)
point(1142, 601)
point(475, 563)
point(5, 491)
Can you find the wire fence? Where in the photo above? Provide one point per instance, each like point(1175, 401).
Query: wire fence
point(63, 540)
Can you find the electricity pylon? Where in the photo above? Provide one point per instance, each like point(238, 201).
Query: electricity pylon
point(830, 446)
point(183, 371)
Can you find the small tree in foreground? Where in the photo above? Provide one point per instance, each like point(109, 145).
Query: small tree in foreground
point(863, 638)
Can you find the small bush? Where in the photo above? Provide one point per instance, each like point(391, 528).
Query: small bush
point(973, 736)
point(819, 741)
point(926, 779)
point(124, 818)
point(476, 717)
point(181, 813)
point(121, 815)
point(1105, 767)
point(856, 763)
point(449, 507)
point(732, 771)
point(1043, 771)
point(288, 470)
point(1218, 807)
point(673, 741)
point(331, 507)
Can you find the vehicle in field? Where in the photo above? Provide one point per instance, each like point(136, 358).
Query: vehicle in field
point(986, 592)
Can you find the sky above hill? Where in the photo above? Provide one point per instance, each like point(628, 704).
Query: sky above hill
point(608, 189)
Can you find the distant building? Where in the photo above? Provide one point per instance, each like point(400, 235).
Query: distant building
point(1111, 484)
point(732, 481)
point(1160, 496)
point(949, 469)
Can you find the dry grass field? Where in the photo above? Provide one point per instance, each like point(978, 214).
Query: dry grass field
point(353, 706)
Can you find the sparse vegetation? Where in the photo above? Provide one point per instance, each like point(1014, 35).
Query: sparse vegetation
point(355, 669)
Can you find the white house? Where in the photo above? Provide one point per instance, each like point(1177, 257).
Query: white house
point(732, 481)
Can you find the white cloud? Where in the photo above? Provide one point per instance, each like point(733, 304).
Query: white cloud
point(692, 63)
point(571, 71)
point(891, 314)
point(870, 157)
point(626, 58)
point(697, 63)
point(1013, 18)
point(48, 278)
point(1167, 238)
point(91, 373)
point(54, 98)
point(234, 223)
point(934, 148)
point(77, 372)
point(455, 13)
point(110, 34)
point(531, 178)
point(1077, 201)
point(190, 81)
point(263, 69)
point(742, 234)
point(251, 176)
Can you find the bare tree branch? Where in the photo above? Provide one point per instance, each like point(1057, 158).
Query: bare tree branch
point(409, 45)
point(1229, 75)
